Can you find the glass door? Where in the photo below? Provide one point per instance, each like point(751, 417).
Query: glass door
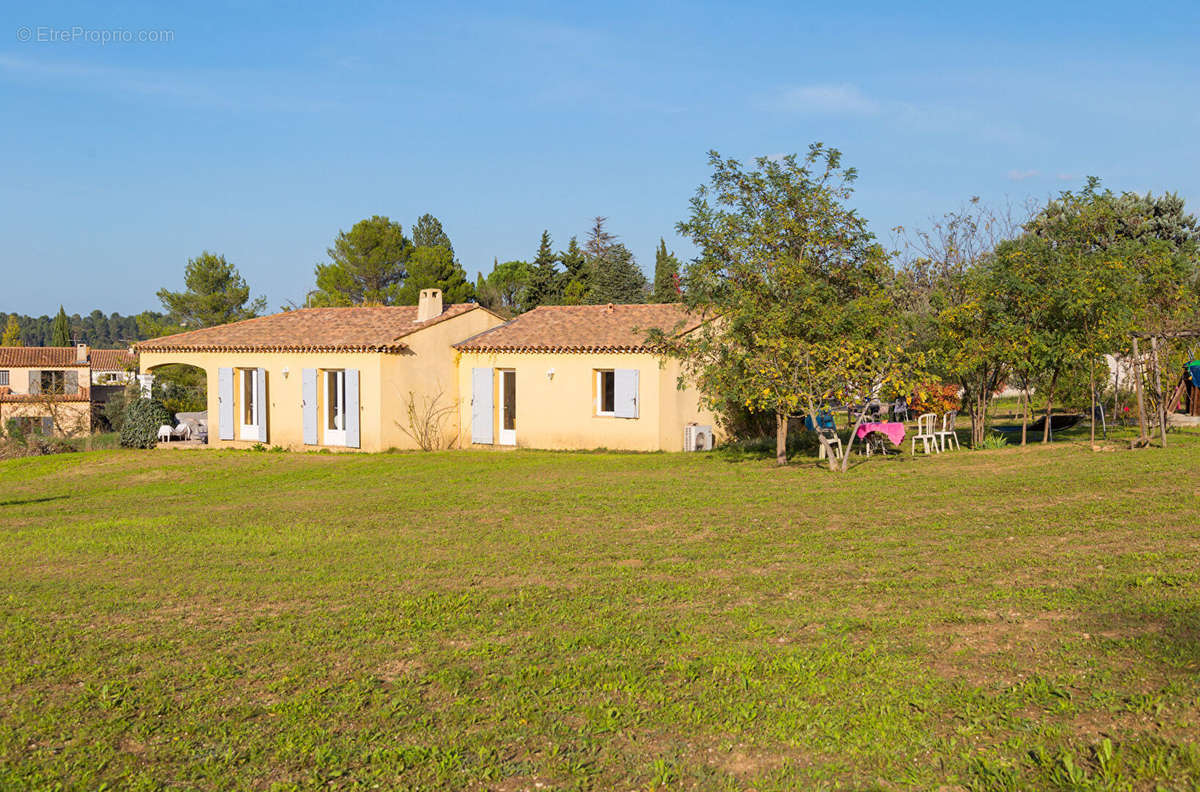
point(508, 407)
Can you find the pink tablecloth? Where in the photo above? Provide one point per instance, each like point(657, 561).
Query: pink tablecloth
point(893, 429)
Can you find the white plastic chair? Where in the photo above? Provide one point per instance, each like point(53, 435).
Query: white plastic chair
point(832, 441)
point(926, 433)
point(164, 434)
point(947, 432)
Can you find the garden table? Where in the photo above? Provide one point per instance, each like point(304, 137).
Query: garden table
point(892, 430)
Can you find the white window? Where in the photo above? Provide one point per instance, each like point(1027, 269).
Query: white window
point(4, 377)
point(251, 412)
point(335, 407)
point(606, 392)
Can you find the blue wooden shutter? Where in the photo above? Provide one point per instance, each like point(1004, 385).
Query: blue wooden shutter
point(308, 404)
point(260, 403)
point(225, 403)
point(625, 387)
point(353, 432)
point(481, 405)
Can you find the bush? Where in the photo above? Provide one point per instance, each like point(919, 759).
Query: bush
point(35, 445)
point(933, 397)
point(992, 442)
point(114, 411)
point(142, 419)
point(16, 431)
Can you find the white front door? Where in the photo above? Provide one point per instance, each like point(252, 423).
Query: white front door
point(508, 407)
point(250, 408)
point(335, 408)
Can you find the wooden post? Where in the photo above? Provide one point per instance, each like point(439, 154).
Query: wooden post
point(1158, 390)
point(1137, 379)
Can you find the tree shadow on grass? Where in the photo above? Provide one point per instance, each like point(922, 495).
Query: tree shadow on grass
point(26, 501)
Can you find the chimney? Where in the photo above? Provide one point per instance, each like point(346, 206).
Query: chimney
point(430, 304)
point(81, 353)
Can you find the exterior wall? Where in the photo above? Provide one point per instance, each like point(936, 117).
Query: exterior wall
point(426, 369)
point(284, 414)
point(18, 377)
point(428, 374)
point(71, 419)
point(112, 378)
point(559, 412)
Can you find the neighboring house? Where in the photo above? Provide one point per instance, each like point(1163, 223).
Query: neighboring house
point(327, 377)
point(578, 377)
point(48, 389)
point(111, 372)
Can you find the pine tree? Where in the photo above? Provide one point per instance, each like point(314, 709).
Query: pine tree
point(12, 332)
point(366, 265)
point(545, 281)
point(577, 275)
point(666, 275)
point(614, 274)
point(60, 332)
point(434, 268)
point(428, 232)
point(215, 294)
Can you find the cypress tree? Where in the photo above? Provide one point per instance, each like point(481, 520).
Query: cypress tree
point(60, 331)
point(666, 275)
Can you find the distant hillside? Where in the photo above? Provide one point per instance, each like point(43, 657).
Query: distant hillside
point(112, 331)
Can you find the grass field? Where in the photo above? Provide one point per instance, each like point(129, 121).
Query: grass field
point(1012, 619)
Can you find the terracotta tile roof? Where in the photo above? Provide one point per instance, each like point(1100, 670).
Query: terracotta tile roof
point(112, 360)
point(358, 329)
point(11, 398)
point(33, 357)
point(583, 328)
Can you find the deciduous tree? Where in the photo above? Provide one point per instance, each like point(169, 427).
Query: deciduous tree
point(12, 332)
point(795, 281)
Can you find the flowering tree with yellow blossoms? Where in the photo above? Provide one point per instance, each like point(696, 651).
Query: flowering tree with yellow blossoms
point(796, 284)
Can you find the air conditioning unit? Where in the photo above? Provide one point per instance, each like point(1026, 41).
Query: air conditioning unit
point(697, 438)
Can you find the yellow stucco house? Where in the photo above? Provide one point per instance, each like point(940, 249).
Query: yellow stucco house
point(578, 377)
point(337, 378)
point(351, 378)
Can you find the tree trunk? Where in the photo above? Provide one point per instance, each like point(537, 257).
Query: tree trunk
point(1092, 388)
point(1143, 436)
point(850, 440)
point(781, 431)
point(979, 408)
point(1162, 396)
point(1049, 407)
point(812, 417)
point(1025, 411)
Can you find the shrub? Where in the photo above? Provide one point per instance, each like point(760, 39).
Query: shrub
point(142, 419)
point(992, 442)
point(114, 411)
point(15, 431)
point(934, 397)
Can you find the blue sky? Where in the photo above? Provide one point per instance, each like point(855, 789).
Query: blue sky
point(260, 133)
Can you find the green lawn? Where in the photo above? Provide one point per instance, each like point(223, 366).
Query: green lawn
point(1012, 619)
